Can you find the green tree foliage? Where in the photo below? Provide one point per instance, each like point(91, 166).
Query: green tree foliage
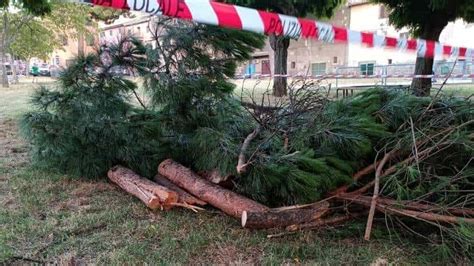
point(88, 125)
point(35, 40)
point(300, 8)
point(35, 7)
point(186, 80)
point(427, 19)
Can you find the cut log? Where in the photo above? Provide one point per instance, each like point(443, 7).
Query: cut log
point(283, 218)
point(229, 202)
point(184, 197)
point(225, 181)
point(152, 194)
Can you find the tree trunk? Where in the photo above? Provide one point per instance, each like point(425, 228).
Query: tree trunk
point(184, 197)
point(3, 48)
point(152, 194)
point(284, 218)
point(280, 46)
point(80, 44)
point(421, 87)
point(14, 72)
point(229, 202)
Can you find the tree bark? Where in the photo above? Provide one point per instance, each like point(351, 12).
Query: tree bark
point(229, 202)
point(80, 44)
point(421, 87)
point(184, 197)
point(3, 48)
point(152, 194)
point(14, 72)
point(284, 218)
point(280, 46)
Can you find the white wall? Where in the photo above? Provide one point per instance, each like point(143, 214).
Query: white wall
point(366, 17)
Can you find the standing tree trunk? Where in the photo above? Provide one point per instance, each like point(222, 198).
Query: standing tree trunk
point(3, 47)
point(280, 45)
point(421, 87)
point(14, 70)
point(80, 44)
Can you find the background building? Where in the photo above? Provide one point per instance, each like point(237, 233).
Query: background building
point(316, 58)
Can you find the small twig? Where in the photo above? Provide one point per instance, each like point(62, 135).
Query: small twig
point(415, 147)
point(315, 225)
point(242, 163)
point(193, 208)
point(439, 91)
point(378, 174)
point(139, 100)
point(429, 217)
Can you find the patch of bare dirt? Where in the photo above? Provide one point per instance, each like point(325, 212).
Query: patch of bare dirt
point(14, 150)
point(13, 154)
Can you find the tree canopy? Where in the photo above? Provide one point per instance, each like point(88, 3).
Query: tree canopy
point(422, 16)
point(426, 19)
point(35, 7)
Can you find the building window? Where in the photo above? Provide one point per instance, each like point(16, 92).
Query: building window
point(56, 60)
point(318, 69)
point(383, 12)
point(138, 29)
point(102, 34)
point(334, 60)
point(366, 69)
point(111, 33)
point(293, 65)
point(390, 61)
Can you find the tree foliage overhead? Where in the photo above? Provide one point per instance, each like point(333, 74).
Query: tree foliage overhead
point(426, 19)
point(36, 40)
point(35, 7)
point(423, 15)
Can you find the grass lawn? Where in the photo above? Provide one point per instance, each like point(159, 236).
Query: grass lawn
point(50, 218)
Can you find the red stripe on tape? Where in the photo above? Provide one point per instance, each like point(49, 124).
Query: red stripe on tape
point(368, 38)
point(175, 9)
point(120, 4)
point(412, 44)
point(447, 50)
point(430, 49)
point(227, 15)
point(340, 34)
point(271, 23)
point(391, 42)
point(308, 28)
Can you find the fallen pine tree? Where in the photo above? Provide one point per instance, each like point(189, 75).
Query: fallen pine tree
point(381, 153)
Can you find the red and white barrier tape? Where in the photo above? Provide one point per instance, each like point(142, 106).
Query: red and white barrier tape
point(236, 17)
point(349, 76)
